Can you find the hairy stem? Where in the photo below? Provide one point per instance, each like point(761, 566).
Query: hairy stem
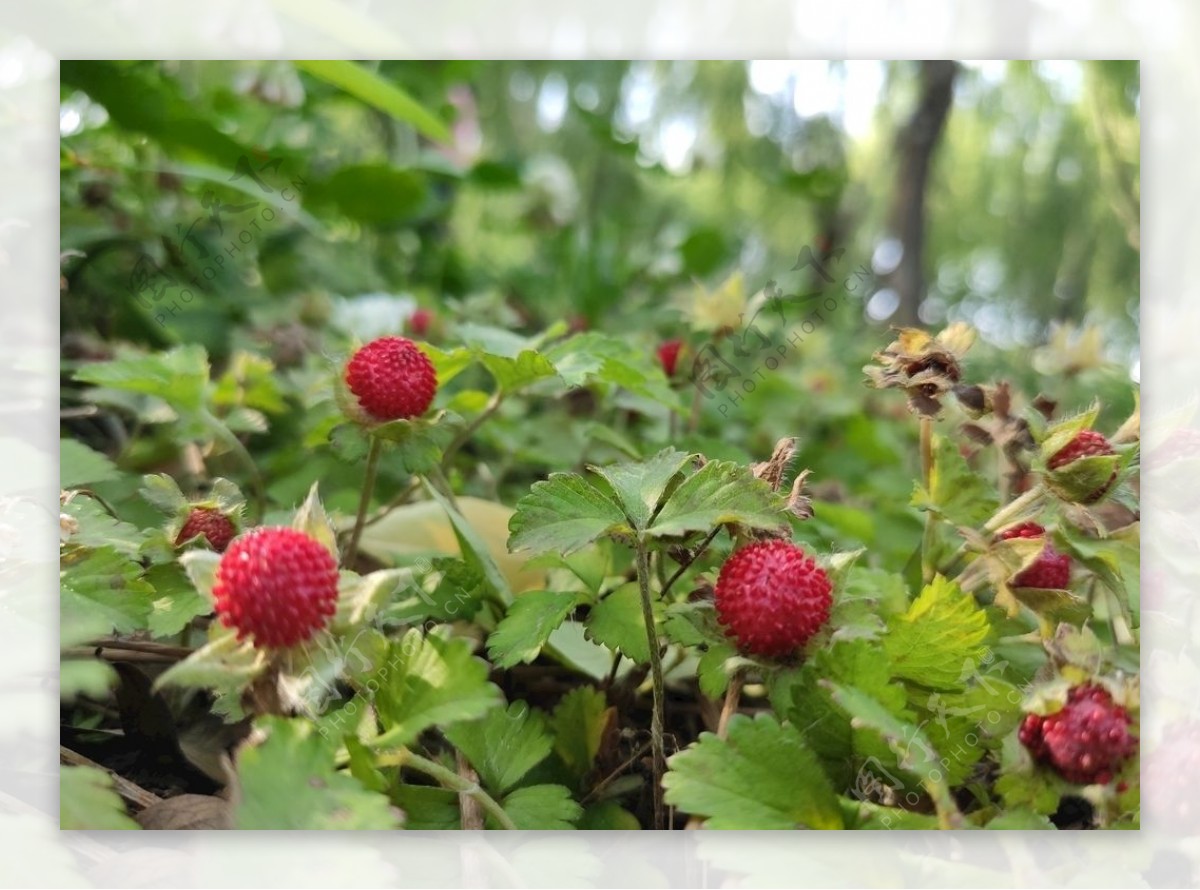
point(656, 671)
point(1010, 511)
point(364, 502)
point(686, 565)
point(453, 781)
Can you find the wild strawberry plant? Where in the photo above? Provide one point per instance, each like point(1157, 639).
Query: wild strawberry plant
point(661, 635)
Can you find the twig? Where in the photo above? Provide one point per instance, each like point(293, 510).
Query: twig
point(687, 565)
point(177, 652)
point(134, 794)
point(364, 500)
point(733, 696)
point(118, 655)
point(399, 500)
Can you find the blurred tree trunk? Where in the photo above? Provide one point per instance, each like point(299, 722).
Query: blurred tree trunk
point(915, 144)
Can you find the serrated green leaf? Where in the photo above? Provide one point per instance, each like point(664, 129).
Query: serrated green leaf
point(177, 600)
point(448, 364)
point(719, 492)
point(505, 745)
point(163, 492)
point(427, 808)
point(715, 667)
point(942, 631)
point(762, 775)
point(617, 622)
point(290, 782)
point(563, 513)
point(87, 800)
point(96, 528)
point(959, 494)
point(579, 722)
point(430, 681)
point(79, 465)
point(179, 376)
point(543, 808)
point(513, 374)
point(596, 358)
point(526, 627)
point(223, 664)
point(457, 595)
point(640, 486)
point(102, 591)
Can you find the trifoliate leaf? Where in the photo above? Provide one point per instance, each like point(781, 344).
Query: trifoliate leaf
point(505, 745)
point(530, 620)
point(579, 722)
point(942, 631)
point(88, 801)
point(541, 807)
point(290, 782)
point(640, 486)
point(719, 492)
point(80, 465)
point(761, 776)
point(430, 681)
point(563, 513)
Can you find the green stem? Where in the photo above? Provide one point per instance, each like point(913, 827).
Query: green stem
point(656, 671)
point(364, 502)
point(1008, 512)
point(927, 541)
point(449, 779)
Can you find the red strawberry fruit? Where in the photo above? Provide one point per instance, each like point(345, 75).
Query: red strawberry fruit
point(391, 379)
point(668, 356)
point(1050, 571)
point(420, 321)
point(277, 585)
point(210, 524)
point(1087, 741)
point(772, 597)
point(1087, 443)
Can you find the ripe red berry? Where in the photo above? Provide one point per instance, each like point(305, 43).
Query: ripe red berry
point(1051, 570)
point(420, 321)
point(392, 379)
point(1087, 443)
point(772, 597)
point(209, 523)
point(668, 356)
point(276, 585)
point(1087, 741)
